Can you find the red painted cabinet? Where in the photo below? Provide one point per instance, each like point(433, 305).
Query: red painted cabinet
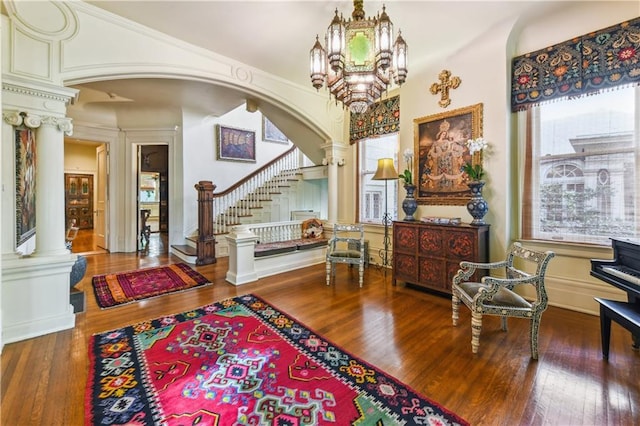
point(428, 255)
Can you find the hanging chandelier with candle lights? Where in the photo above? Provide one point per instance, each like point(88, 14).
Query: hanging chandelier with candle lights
point(360, 60)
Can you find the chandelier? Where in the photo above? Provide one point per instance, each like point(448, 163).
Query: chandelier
point(360, 61)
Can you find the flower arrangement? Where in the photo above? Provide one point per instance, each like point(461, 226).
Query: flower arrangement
point(475, 171)
point(407, 174)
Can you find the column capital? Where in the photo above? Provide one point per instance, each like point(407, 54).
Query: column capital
point(333, 153)
point(21, 118)
point(63, 124)
point(333, 146)
point(34, 121)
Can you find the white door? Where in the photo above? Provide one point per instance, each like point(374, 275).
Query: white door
point(100, 223)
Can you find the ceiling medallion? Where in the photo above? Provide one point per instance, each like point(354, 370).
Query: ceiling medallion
point(360, 60)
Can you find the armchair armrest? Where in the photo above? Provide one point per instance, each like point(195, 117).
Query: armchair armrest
point(495, 284)
point(469, 268)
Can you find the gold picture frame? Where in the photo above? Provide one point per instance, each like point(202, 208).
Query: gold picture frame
point(270, 133)
point(25, 143)
point(236, 144)
point(440, 145)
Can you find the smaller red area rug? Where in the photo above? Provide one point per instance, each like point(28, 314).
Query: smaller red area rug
point(126, 287)
point(241, 361)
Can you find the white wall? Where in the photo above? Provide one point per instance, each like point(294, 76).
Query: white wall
point(201, 155)
point(79, 158)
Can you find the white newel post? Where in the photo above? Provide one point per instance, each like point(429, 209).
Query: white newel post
point(242, 242)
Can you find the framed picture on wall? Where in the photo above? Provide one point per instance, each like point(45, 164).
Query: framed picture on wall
point(236, 144)
point(25, 184)
point(440, 142)
point(270, 133)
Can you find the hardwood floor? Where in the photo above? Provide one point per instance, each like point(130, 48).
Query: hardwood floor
point(403, 331)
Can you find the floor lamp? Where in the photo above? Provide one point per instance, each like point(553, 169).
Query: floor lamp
point(386, 171)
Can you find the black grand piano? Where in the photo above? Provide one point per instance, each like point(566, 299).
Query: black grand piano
point(623, 272)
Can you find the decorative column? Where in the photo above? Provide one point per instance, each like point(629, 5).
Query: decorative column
point(333, 158)
point(49, 183)
point(50, 230)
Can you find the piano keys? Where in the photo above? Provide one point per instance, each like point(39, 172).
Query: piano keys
point(623, 272)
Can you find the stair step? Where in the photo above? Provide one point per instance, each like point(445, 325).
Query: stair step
point(183, 248)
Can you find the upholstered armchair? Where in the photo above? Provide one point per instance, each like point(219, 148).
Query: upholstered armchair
point(346, 246)
point(496, 296)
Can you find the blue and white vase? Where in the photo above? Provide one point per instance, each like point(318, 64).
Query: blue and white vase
point(477, 206)
point(409, 204)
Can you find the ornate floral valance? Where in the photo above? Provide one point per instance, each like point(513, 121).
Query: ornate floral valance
point(381, 118)
point(603, 59)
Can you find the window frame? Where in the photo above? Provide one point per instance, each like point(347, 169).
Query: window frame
point(391, 185)
point(596, 196)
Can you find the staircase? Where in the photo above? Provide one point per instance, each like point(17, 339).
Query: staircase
point(267, 195)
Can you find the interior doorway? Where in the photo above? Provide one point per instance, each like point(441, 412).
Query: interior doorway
point(153, 197)
point(82, 182)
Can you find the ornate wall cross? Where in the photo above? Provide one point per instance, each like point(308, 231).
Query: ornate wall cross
point(444, 86)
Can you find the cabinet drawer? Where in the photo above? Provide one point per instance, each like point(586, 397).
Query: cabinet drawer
point(461, 245)
point(405, 267)
point(433, 273)
point(405, 238)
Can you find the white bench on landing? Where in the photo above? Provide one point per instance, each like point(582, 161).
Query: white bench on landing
point(262, 249)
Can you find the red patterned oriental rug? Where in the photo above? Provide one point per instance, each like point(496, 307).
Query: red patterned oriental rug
point(126, 287)
point(241, 361)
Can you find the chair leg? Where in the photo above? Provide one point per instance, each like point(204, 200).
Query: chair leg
point(503, 322)
point(328, 273)
point(535, 324)
point(455, 308)
point(361, 273)
point(476, 327)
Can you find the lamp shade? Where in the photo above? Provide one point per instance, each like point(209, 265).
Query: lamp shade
point(386, 170)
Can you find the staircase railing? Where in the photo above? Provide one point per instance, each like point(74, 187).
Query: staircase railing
point(238, 200)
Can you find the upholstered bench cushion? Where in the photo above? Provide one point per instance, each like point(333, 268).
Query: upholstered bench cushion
point(355, 254)
point(503, 297)
point(269, 249)
point(309, 243)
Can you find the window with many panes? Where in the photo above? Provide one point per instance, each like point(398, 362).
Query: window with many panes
point(372, 203)
point(582, 160)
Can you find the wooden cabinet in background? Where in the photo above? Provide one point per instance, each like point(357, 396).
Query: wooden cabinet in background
point(429, 255)
point(78, 197)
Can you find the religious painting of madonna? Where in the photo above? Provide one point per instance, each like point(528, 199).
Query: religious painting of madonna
point(25, 184)
point(440, 142)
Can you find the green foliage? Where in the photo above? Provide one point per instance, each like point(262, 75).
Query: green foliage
point(474, 172)
point(563, 211)
point(407, 177)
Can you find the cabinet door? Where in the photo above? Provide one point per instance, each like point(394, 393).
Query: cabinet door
point(461, 245)
point(405, 262)
point(431, 250)
point(432, 273)
point(79, 200)
point(405, 238)
point(432, 242)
